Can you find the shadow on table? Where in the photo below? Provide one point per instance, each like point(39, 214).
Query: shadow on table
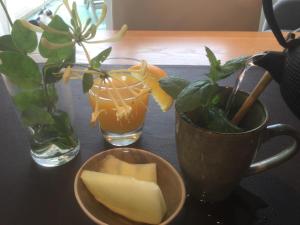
point(239, 209)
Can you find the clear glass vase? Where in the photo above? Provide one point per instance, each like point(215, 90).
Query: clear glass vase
point(46, 112)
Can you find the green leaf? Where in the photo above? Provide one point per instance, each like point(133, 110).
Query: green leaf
point(215, 100)
point(196, 94)
point(28, 98)
point(66, 137)
point(20, 69)
point(51, 71)
point(7, 44)
point(51, 96)
point(173, 85)
point(59, 133)
point(61, 53)
point(36, 97)
point(218, 71)
point(87, 82)
point(232, 66)
point(62, 122)
point(23, 38)
point(211, 118)
point(36, 116)
point(218, 122)
point(100, 58)
point(212, 58)
point(70, 60)
point(214, 64)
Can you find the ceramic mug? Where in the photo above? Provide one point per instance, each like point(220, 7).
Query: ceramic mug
point(214, 163)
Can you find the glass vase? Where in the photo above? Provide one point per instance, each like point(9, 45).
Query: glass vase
point(46, 113)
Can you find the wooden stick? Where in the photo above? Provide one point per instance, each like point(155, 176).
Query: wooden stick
point(259, 88)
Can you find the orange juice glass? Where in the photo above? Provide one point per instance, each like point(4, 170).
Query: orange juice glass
point(121, 101)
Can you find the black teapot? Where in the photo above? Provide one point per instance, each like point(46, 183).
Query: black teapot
point(283, 66)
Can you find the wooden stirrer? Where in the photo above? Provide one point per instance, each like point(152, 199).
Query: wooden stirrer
point(259, 88)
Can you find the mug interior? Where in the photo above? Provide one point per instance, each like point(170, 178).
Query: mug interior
point(255, 118)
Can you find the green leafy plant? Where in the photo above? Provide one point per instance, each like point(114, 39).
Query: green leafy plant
point(202, 96)
point(36, 95)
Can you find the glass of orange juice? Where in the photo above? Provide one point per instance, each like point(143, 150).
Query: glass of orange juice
point(120, 100)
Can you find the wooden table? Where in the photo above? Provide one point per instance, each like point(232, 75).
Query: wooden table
point(186, 47)
point(183, 47)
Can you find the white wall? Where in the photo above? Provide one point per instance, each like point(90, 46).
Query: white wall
point(187, 14)
point(4, 26)
point(18, 9)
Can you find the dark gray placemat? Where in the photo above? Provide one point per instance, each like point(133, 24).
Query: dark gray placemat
point(33, 195)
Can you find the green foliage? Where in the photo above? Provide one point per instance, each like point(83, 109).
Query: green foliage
point(35, 115)
point(173, 85)
point(7, 44)
point(218, 122)
point(36, 95)
point(217, 71)
point(20, 69)
point(231, 66)
point(197, 94)
point(214, 64)
point(202, 96)
point(62, 122)
point(87, 82)
point(51, 70)
point(23, 38)
point(25, 99)
point(61, 37)
point(59, 133)
point(100, 58)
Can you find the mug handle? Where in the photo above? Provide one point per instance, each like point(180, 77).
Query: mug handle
point(287, 153)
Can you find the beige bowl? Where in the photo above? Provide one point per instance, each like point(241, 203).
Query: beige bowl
point(168, 179)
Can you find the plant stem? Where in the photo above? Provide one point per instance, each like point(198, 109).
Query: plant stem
point(49, 104)
point(86, 53)
point(6, 13)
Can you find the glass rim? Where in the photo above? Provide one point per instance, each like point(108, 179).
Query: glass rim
point(121, 58)
point(138, 82)
point(143, 70)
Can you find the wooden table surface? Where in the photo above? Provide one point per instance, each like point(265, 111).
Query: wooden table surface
point(185, 47)
point(182, 47)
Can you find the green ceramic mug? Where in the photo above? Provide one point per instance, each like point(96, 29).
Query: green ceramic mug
point(214, 163)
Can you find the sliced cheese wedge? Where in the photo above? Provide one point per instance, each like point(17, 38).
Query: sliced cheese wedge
point(113, 165)
point(140, 201)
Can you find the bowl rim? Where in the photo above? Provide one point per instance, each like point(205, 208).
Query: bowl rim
point(170, 166)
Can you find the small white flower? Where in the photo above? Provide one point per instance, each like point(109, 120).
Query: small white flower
point(123, 112)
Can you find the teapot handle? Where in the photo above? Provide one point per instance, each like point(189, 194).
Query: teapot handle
point(290, 40)
point(272, 22)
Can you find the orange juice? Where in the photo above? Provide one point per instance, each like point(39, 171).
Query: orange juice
point(122, 103)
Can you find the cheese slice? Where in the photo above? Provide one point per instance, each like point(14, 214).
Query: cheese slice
point(113, 165)
point(140, 201)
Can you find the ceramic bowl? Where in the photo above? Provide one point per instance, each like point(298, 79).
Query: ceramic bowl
point(168, 179)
